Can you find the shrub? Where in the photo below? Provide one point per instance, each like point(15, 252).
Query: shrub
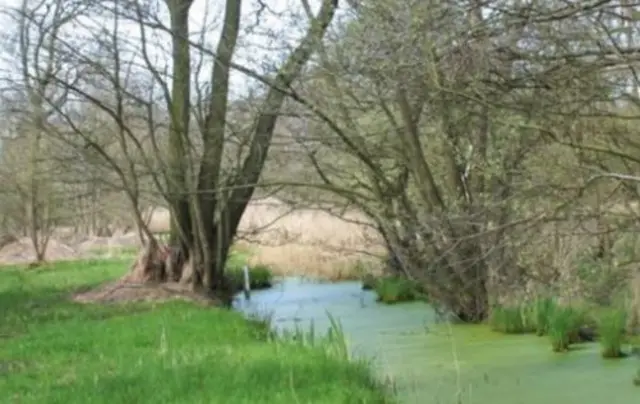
point(396, 289)
point(260, 277)
point(563, 328)
point(611, 328)
point(369, 282)
point(543, 309)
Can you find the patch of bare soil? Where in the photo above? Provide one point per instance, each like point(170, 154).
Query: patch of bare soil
point(124, 291)
point(21, 252)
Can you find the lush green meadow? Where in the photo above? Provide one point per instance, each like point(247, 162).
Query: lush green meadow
point(53, 350)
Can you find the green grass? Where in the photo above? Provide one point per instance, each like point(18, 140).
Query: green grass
point(56, 351)
point(543, 309)
point(106, 252)
point(508, 320)
point(396, 289)
point(564, 323)
point(260, 276)
point(611, 329)
point(522, 319)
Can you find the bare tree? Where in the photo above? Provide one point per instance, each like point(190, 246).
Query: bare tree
point(433, 118)
point(27, 151)
point(184, 163)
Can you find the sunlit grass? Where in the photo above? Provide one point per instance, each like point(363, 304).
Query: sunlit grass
point(55, 351)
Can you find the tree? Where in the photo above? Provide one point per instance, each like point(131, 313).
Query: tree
point(32, 181)
point(431, 117)
point(185, 163)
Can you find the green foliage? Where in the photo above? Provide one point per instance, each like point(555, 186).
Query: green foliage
point(562, 324)
point(260, 277)
point(521, 319)
point(611, 329)
point(397, 289)
point(543, 310)
point(153, 353)
point(508, 320)
point(563, 327)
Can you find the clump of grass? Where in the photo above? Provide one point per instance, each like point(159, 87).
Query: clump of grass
point(636, 379)
point(396, 289)
point(507, 319)
point(543, 309)
point(519, 319)
point(563, 327)
point(523, 319)
point(611, 328)
point(260, 277)
point(262, 326)
point(333, 341)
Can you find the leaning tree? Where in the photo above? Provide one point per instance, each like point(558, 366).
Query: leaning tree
point(437, 120)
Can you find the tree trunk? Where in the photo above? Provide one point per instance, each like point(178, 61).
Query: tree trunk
point(205, 217)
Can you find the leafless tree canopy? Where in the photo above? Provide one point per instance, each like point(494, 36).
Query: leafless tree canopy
point(490, 144)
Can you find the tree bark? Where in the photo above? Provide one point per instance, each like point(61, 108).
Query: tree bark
point(181, 237)
point(205, 215)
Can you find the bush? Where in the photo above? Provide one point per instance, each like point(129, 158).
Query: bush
point(396, 289)
point(542, 311)
point(369, 282)
point(260, 277)
point(564, 326)
point(611, 328)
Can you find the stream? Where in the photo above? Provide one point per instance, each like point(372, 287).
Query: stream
point(437, 363)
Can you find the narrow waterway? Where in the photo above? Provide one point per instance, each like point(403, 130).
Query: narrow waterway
point(438, 363)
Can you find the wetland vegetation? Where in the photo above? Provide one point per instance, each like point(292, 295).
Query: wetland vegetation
point(475, 162)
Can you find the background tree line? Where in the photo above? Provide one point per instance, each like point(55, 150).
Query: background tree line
point(490, 144)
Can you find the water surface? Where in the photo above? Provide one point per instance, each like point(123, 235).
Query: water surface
point(437, 363)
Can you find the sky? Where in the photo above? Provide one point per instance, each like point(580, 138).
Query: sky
point(263, 42)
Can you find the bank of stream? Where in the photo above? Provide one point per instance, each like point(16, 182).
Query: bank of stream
point(438, 363)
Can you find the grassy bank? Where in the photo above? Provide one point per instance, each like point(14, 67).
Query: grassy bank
point(56, 351)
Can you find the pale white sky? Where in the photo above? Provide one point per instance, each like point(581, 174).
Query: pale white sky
point(263, 42)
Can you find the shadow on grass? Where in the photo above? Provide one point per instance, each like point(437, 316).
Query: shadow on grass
point(21, 311)
point(34, 298)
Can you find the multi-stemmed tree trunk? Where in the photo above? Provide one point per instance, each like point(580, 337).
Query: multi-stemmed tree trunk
point(206, 206)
